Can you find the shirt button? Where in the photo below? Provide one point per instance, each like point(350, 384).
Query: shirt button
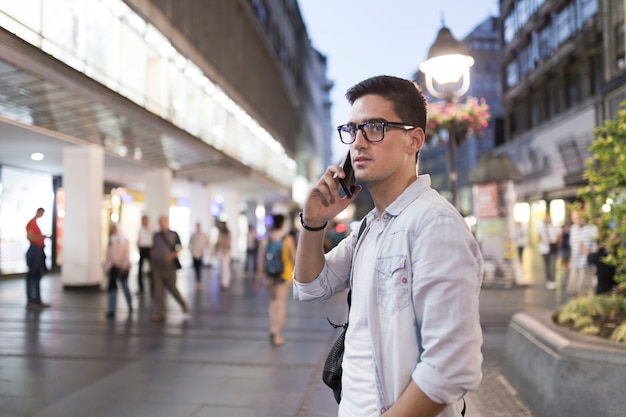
point(386, 216)
point(404, 280)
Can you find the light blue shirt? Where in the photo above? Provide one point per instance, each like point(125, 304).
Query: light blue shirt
point(422, 307)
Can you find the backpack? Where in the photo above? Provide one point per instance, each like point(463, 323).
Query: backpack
point(274, 265)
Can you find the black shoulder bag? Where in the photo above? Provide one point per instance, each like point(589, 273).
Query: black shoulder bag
point(331, 375)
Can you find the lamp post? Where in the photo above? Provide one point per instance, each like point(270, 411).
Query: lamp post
point(447, 76)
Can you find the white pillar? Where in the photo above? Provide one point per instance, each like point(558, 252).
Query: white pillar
point(157, 194)
point(82, 225)
point(199, 207)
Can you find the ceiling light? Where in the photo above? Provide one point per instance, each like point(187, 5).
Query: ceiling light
point(36, 156)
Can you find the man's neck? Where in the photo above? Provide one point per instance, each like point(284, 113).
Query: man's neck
point(386, 193)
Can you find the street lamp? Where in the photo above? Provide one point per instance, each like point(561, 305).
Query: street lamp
point(447, 76)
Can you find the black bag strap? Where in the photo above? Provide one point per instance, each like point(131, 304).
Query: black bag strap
point(349, 299)
point(167, 242)
point(361, 230)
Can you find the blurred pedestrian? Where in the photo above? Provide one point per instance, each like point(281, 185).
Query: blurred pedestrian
point(548, 248)
point(198, 244)
point(36, 261)
point(165, 247)
point(604, 272)
point(252, 251)
point(565, 252)
point(117, 267)
point(144, 244)
point(279, 284)
point(580, 279)
point(222, 250)
point(521, 238)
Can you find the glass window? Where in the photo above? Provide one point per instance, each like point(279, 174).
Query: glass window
point(176, 96)
point(509, 28)
point(572, 89)
point(544, 43)
point(525, 62)
point(618, 36)
point(555, 105)
point(564, 24)
point(535, 110)
point(133, 64)
point(101, 40)
point(587, 8)
point(26, 12)
point(512, 77)
point(614, 105)
point(64, 26)
point(523, 12)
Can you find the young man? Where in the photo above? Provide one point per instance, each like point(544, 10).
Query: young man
point(581, 239)
point(413, 343)
point(165, 248)
point(35, 259)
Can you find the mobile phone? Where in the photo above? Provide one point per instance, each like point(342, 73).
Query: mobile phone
point(350, 180)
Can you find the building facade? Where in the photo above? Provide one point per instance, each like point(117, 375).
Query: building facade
point(553, 80)
point(197, 110)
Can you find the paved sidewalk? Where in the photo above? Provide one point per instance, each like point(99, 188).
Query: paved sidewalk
point(69, 361)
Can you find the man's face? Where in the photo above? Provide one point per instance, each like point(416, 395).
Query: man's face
point(378, 162)
point(577, 218)
point(164, 223)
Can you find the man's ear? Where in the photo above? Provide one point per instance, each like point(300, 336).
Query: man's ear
point(417, 139)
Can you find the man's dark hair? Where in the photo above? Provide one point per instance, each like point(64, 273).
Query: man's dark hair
point(408, 100)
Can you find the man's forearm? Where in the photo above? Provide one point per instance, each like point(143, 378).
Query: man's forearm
point(414, 403)
point(309, 255)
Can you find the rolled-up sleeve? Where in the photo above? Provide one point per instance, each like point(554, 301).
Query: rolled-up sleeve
point(448, 272)
point(334, 277)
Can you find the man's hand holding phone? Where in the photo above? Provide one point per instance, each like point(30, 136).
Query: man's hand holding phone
point(324, 200)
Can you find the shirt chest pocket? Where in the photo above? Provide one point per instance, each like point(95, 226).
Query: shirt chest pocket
point(392, 283)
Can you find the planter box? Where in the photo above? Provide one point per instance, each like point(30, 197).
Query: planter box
point(560, 373)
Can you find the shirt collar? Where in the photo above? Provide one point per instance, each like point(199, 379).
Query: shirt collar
point(410, 193)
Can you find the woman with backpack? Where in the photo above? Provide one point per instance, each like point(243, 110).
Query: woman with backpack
point(276, 258)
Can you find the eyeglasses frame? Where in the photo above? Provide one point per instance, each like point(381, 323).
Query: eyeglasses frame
point(398, 125)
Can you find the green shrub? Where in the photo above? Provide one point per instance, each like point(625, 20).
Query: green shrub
point(619, 334)
point(605, 194)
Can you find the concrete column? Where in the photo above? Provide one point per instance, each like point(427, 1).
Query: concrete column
point(157, 194)
point(82, 225)
point(200, 212)
point(199, 207)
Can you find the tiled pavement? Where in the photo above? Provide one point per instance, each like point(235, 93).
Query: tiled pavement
point(69, 361)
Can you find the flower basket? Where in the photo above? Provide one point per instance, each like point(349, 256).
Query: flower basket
point(459, 119)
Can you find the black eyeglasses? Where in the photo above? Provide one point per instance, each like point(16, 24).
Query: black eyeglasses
point(373, 130)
